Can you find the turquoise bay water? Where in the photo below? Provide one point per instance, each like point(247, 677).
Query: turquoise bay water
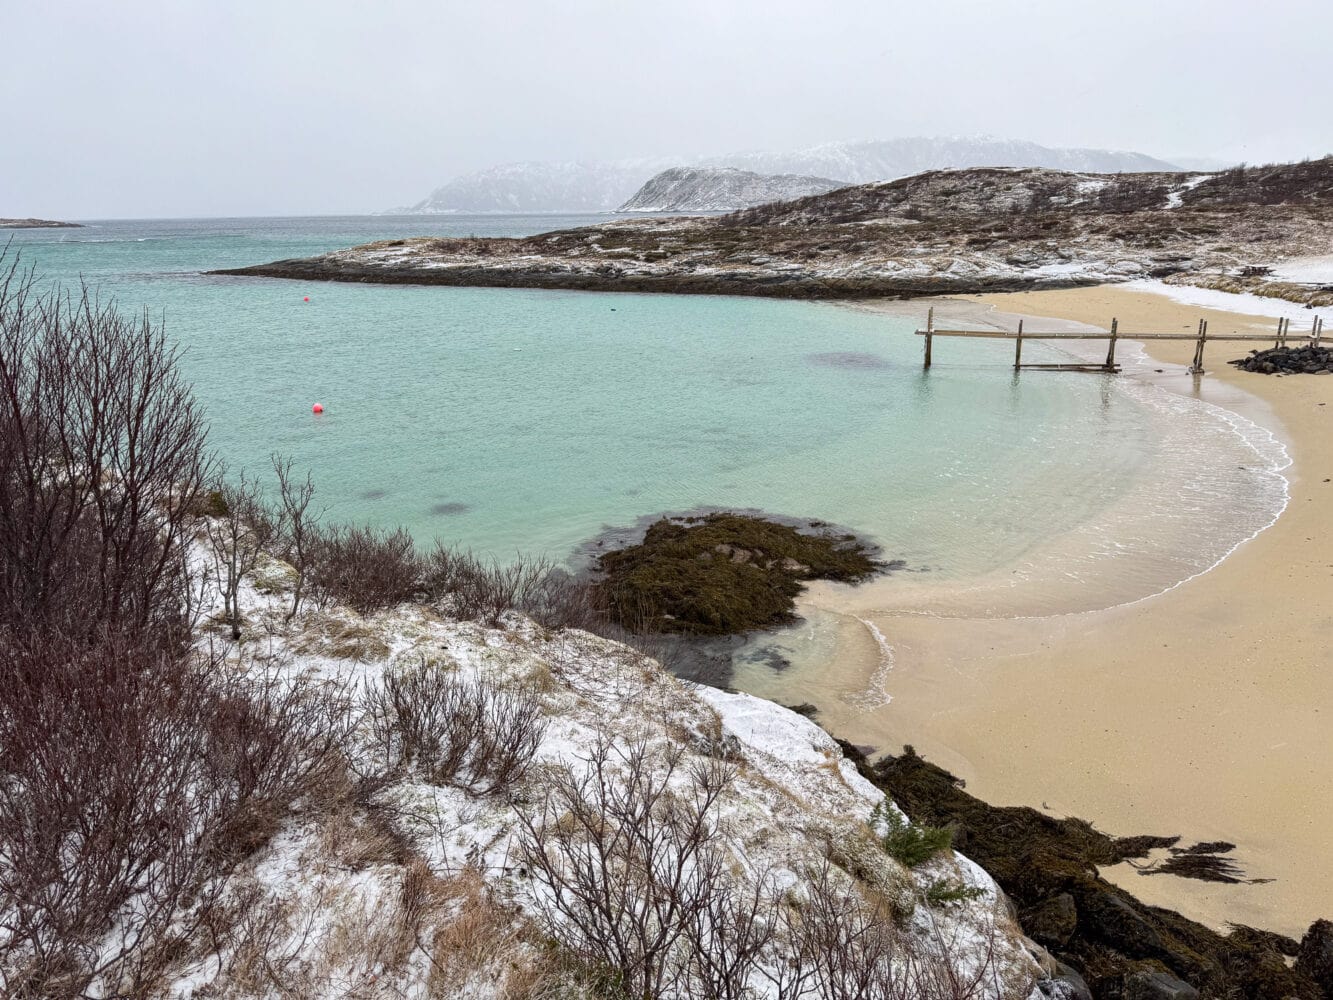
point(529, 420)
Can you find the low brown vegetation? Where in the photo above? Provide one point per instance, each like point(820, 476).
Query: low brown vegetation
point(637, 873)
point(470, 733)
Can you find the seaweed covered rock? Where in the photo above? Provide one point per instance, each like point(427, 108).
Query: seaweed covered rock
point(1150, 985)
point(1052, 921)
point(1315, 958)
point(1122, 948)
point(1309, 360)
point(720, 574)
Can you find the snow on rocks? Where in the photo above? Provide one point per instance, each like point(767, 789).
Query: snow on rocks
point(328, 893)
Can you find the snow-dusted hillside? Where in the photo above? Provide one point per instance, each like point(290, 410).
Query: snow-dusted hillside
point(603, 186)
point(424, 885)
point(720, 189)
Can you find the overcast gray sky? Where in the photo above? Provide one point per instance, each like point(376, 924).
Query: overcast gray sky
point(155, 108)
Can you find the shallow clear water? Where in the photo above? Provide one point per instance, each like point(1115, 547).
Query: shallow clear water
point(530, 420)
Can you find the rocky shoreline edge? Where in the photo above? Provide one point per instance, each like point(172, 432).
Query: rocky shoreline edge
point(1105, 943)
point(769, 284)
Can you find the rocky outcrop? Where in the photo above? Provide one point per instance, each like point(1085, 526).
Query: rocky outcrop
point(1315, 958)
point(1122, 948)
point(721, 189)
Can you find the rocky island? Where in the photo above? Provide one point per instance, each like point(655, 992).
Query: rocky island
point(37, 224)
point(940, 232)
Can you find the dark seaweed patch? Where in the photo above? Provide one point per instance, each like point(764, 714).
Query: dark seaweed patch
point(723, 573)
point(450, 509)
point(856, 360)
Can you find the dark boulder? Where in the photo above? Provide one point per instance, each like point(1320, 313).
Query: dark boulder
point(1151, 985)
point(1052, 921)
point(1315, 960)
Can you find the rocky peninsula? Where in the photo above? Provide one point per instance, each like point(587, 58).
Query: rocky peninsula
point(940, 232)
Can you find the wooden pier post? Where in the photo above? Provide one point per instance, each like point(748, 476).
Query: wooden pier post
point(930, 329)
point(1316, 332)
point(1197, 367)
point(1110, 354)
point(1018, 346)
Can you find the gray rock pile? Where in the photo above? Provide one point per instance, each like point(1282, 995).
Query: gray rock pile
point(1308, 360)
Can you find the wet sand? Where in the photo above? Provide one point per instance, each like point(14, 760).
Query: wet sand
point(1206, 711)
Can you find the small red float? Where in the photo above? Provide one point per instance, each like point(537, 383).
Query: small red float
point(306, 299)
point(317, 408)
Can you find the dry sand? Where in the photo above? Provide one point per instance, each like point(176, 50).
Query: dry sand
point(1206, 711)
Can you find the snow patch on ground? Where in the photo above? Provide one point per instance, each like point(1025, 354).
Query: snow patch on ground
point(1312, 270)
point(1246, 304)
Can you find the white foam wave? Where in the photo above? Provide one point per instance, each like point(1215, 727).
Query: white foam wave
point(876, 694)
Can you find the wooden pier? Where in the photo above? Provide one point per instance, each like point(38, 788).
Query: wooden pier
point(1281, 338)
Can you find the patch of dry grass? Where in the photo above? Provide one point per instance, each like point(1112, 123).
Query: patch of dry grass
point(340, 638)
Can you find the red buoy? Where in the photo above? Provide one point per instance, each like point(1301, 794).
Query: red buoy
point(317, 408)
point(307, 298)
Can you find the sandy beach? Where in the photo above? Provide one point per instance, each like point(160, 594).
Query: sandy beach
point(1206, 711)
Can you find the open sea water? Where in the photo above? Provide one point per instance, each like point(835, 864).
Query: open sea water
point(517, 420)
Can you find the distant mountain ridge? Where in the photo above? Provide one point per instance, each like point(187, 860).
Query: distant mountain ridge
point(868, 160)
point(721, 189)
point(604, 186)
point(537, 187)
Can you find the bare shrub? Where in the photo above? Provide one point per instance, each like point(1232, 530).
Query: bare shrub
point(364, 567)
point(101, 463)
point(839, 942)
point(487, 591)
point(559, 600)
point(633, 874)
point(472, 733)
point(478, 590)
point(129, 780)
point(298, 526)
point(240, 530)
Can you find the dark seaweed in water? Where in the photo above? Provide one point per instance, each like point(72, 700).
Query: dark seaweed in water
point(450, 508)
point(723, 574)
point(848, 359)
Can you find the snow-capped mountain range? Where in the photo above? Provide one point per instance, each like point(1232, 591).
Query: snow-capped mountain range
point(603, 186)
